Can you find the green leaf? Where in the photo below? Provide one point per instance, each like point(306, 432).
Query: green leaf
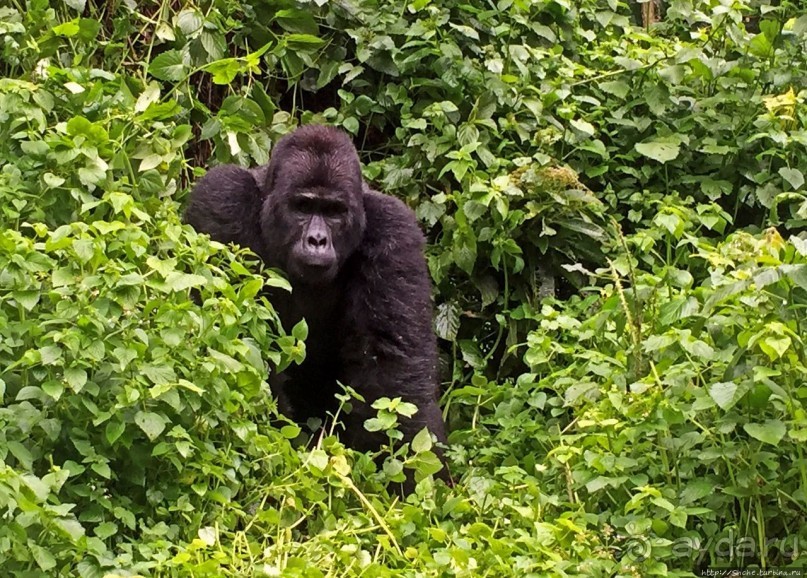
point(303, 41)
point(214, 44)
point(106, 530)
point(297, 20)
point(724, 394)
point(290, 431)
point(670, 221)
point(151, 423)
point(40, 489)
point(50, 354)
point(22, 454)
point(28, 299)
point(159, 374)
point(677, 309)
point(761, 46)
point(70, 527)
point(114, 429)
point(102, 469)
point(176, 281)
point(168, 66)
point(583, 126)
point(44, 559)
point(351, 125)
point(300, 330)
point(84, 249)
point(659, 150)
point(792, 176)
point(53, 388)
point(774, 346)
point(189, 22)
point(208, 535)
point(678, 517)
point(616, 87)
point(318, 459)
point(67, 29)
point(771, 432)
point(78, 6)
point(422, 441)
point(447, 320)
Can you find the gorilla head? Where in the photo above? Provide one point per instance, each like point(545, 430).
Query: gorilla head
point(314, 219)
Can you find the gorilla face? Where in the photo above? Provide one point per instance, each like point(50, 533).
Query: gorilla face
point(321, 220)
point(313, 217)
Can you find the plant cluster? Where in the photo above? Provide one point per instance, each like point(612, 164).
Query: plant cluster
point(614, 216)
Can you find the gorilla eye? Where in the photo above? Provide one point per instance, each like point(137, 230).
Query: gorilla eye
point(334, 210)
point(304, 205)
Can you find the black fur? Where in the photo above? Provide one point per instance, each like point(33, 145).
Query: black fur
point(370, 324)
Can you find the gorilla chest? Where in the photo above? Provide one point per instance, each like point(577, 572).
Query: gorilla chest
point(312, 385)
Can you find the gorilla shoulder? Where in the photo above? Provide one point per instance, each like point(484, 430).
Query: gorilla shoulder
point(391, 226)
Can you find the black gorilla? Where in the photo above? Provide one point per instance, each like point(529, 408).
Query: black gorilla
point(355, 260)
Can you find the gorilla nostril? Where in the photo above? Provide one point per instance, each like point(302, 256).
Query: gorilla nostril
point(317, 241)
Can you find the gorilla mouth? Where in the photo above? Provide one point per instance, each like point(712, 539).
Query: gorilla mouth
point(314, 271)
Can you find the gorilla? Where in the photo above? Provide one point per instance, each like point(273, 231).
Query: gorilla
point(354, 258)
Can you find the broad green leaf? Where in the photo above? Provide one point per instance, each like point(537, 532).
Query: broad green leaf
point(670, 221)
point(102, 469)
point(84, 249)
point(43, 558)
point(53, 388)
point(208, 535)
point(616, 87)
point(422, 441)
point(106, 530)
point(70, 527)
point(318, 459)
point(176, 281)
point(168, 66)
point(792, 176)
point(151, 423)
point(50, 354)
point(774, 346)
point(698, 348)
point(771, 432)
point(189, 22)
point(78, 6)
point(159, 374)
point(724, 394)
point(659, 150)
point(583, 126)
point(300, 330)
point(447, 320)
point(677, 309)
point(28, 299)
point(114, 429)
point(214, 44)
point(39, 488)
point(290, 431)
point(22, 454)
point(760, 46)
point(148, 97)
point(678, 517)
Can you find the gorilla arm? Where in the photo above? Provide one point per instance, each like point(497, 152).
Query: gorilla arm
point(390, 349)
point(226, 204)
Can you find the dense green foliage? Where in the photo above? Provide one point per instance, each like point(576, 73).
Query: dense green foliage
point(620, 321)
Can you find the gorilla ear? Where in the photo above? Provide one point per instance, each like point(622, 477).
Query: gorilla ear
point(264, 177)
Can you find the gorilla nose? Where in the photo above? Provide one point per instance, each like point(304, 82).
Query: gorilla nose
point(318, 241)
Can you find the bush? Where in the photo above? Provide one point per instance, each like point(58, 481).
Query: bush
point(620, 328)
